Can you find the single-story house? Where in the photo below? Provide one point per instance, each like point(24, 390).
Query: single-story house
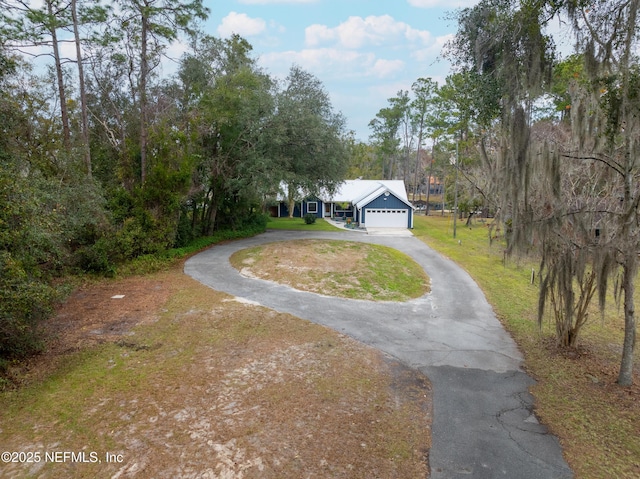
point(370, 203)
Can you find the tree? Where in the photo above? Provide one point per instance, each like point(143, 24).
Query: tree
point(424, 91)
point(384, 134)
point(565, 74)
point(228, 102)
point(362, 160)
point(47, 211)
point(27, 27)
point(89, 13)
point(406, 130)
point(581, 205)
point(309, 143)
point(606, 129)
point(148, 26)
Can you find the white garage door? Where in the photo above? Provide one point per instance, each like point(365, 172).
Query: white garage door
point(385, 218)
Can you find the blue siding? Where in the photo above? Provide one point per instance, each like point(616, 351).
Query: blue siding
point(319, 206)
point(284, 209)
point(390, 201)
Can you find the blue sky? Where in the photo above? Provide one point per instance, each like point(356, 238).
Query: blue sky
point(363, 51)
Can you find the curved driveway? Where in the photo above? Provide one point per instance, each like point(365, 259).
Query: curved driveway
point(483, 425)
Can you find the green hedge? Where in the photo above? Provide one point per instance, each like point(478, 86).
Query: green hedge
point(26, 300)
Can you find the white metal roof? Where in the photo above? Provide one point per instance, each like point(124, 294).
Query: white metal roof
point(355, 191)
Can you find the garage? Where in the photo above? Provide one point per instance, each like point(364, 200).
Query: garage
point(386, 218)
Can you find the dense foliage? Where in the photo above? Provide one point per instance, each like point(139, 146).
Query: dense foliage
point(109, 162)
point(566, 183)
point(546, 145)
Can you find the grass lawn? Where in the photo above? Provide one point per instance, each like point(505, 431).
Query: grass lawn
point(597, 422)
point(299, 224)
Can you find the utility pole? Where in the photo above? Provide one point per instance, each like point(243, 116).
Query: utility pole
point(455, 195)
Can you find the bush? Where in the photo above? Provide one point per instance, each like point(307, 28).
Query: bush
point(24, 302)
point(96, 258)
point(309, 218)
point(153, 262)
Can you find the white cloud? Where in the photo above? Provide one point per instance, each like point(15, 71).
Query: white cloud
point(431, 52)
point(418, 36)
point(332, 62)
point(317, 34)
point(442, 3)
point(241, 24)
point(358, 32)
point(385, 68)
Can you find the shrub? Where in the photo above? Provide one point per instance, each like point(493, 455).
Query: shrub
point(309, 218)
point(96, 258)
point(24, 302)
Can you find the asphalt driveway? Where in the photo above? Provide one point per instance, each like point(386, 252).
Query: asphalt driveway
point(483, 424)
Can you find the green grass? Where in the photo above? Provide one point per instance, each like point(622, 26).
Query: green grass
point(298, 224)
point(575, 396)
point(396, 272)
point(505, 281)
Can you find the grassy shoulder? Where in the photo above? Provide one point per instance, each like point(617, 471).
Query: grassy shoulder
point(336, 268)
point(298, 224)
point(576, 395)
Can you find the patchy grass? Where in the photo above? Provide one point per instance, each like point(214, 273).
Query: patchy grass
point(299, 225)
point(576, 395)
point(182, 381)
point(338, 268)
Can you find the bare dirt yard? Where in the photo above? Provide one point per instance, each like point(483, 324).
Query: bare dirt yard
point(176, 380)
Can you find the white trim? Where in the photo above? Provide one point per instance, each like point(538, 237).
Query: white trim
point(379, 192)
point(386, 217)
point(315, 205)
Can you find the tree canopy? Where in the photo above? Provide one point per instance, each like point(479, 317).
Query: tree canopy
point(566, 186)
point(104, 159)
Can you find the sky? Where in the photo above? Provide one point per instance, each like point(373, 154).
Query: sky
point(363, 51)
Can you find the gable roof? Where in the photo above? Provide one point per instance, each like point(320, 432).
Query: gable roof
point(357, 191)
point(364, 201)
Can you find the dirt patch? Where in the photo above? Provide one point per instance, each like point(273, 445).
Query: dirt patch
point(178, 380)
point(336, 268)
point(91, 316)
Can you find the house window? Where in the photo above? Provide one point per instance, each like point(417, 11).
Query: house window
point(312, 207)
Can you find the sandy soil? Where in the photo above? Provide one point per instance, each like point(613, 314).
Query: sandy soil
point(222, 389)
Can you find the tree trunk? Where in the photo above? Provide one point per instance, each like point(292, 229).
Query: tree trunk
point(64, 115)
point(144, 72)
point(433, 159)
point(194, 218)
point(468, 223)
point(83, 95)
point(291, 199)
point(630, 265)
point(625, 376)
point(212, 212)
point(415, 176)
